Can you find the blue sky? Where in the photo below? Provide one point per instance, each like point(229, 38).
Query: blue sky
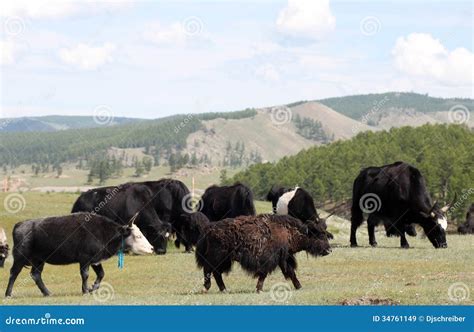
point(152, 59)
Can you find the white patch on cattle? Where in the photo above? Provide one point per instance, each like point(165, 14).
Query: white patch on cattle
point(3, 237)
point(138, 243)
point(167, 235)
point(443, 222)
point(284, 200)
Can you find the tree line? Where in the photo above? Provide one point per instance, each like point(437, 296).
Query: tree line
point(443, 153)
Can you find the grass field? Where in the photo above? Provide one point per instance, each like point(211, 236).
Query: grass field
point(420, 275)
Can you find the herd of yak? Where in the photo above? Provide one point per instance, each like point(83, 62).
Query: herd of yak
point(223, 227)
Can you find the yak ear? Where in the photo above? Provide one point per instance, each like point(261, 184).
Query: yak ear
point(132, 220)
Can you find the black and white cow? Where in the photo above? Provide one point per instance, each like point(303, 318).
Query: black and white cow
point(83, 238)
point(397, 192)
point(3, 247)
point(295, 202)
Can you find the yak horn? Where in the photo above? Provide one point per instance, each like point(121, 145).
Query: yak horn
point(447, 207)
point(132, 221)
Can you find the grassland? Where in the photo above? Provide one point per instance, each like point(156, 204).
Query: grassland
point(420, 275)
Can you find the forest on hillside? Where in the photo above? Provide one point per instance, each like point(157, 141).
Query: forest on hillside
point(443, 153)
point(357, 106)
point(166, 136)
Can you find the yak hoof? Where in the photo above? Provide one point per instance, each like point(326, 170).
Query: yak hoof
point(46, 294)
point(374, 244)
point(354, 245)
point(405, 246)
point(204, 290)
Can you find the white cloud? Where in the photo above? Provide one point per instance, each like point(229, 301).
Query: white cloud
point(57, 8)
point(9, 51)
point(160, 34)
point(176, 33)
point(267, 72)
point(421, 55)
point(87, 57)
point(311, 19)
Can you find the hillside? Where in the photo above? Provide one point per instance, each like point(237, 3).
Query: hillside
point(398, 108)
point(58, 122)
point(328, 172)
point(235, 139)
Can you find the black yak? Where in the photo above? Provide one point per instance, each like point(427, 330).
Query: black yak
point(397, 192)
point(121, 203)
point(83, 238)
point(227, 202)
point(260, 244)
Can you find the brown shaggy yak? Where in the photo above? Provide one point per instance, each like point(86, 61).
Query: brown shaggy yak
point(260, 244)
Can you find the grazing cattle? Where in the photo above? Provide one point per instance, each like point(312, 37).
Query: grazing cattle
point(169, 200)
point(295, 202)
point(121, 203)
point(397, 192)
point(227, 202)
point(82, 238)
point(468, 226)
point(260, 244)
point(3, 247)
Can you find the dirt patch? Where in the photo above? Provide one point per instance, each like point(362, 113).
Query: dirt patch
point(369, 301)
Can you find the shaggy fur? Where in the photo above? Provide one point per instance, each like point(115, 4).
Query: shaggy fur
point(260, 244)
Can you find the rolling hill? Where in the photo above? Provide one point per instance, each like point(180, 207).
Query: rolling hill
point(233, 139)
point(57, 122)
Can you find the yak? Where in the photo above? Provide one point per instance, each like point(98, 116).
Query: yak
point(227, 202)
point(468, 226)
point(169, 201)
point(3, 247)
point(84, 238)
point(390, 229)
point(295, 202)
point(121, 203)
point(260, 244)
point(397, 192)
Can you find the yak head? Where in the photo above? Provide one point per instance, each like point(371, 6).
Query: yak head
point(317, 239)
point(135, 241)
point(193, 225)
point(435, 223)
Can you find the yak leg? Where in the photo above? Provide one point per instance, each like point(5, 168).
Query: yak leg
point(207, 279)
point(356, 220)
point(290, 273)
point(261, 280)
point(84, 275)
point(36, 271)
point(219, 281)
point(14, 272)
point(403, 240)
point(99, 271)
point(371, 229)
